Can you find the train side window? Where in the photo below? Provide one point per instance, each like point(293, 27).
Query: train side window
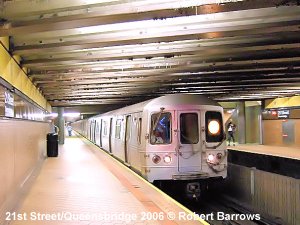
point(139, 129)
point(97, 127)
point(104, 126)
point(118, 129)
point(160, 128)
point(189, 129)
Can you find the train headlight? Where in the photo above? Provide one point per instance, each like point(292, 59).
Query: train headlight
point(214, 127)
point(210, 158)
point(167, 159)
point(156, 159)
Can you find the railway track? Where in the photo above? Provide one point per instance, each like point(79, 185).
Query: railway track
point(228, 211)
point(225, 210)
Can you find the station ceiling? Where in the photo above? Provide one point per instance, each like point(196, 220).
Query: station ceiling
point(118, 52)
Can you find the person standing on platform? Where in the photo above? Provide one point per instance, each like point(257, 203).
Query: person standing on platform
point(231, 129)
point(69, 128)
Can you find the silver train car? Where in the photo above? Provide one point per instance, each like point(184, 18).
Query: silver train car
point(177, 137)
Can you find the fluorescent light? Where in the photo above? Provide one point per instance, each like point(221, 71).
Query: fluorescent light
point(71, 114)
point(65, 115)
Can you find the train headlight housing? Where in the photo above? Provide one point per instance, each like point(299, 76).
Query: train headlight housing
point(167, 159)
point(210, 158)
point(214, 127)
point(156, 159)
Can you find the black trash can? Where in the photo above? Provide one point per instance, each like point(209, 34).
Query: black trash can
point(52, 144)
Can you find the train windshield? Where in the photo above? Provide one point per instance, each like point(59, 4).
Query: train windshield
point(189, 131)
point(160, 128)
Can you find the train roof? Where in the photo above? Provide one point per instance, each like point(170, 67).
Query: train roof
point(166, 100)
point(182, 99)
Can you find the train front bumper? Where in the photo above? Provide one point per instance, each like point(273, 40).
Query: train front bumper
point(190, 176)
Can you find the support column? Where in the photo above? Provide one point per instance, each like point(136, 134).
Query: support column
point(61, 125)
point(261, 126)
point(241, 123)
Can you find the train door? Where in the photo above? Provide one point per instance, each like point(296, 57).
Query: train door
point(101, 131)
point(94, 131)
point(97, 133)
point(189, 141)
point(127, 138)
point(91, 131)
point(110, 133)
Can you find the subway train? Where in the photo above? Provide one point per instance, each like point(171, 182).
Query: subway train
point(178, 138)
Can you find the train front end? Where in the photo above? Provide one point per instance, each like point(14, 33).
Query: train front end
point(186, 144)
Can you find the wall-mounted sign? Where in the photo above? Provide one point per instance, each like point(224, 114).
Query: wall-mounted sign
point(9, 104)
point(283, 114)
point(274, 113)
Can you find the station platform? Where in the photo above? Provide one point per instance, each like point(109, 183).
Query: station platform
point(274, 159)
point(284, 152)
point(86, 186)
